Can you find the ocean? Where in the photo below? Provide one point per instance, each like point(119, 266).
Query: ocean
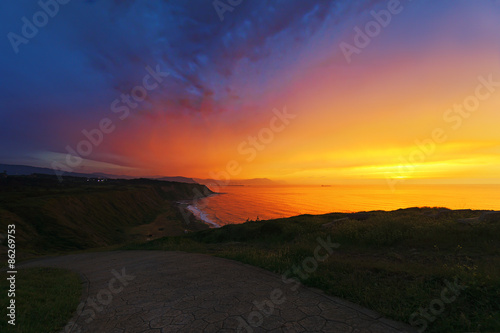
point(237, 204)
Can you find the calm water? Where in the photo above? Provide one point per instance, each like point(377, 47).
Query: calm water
point(238, 203)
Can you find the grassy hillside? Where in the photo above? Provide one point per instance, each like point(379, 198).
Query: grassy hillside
point(397, 263)
point(53, 216)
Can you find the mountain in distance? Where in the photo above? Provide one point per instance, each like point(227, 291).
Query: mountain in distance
point(178, 179)
point(20, 170)
point(29, 170)
point(236, 182)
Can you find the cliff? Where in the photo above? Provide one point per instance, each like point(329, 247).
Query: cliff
point(80, 213)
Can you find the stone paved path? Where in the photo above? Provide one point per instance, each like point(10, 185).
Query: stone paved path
point(158, 292)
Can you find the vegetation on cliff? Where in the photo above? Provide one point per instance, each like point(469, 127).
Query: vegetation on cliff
point(82, 213)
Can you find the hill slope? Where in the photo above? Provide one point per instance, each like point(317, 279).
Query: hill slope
point(77, 214)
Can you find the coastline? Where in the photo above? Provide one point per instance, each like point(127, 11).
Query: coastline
point(202, 216)
point(247, 203)
point(190, 205)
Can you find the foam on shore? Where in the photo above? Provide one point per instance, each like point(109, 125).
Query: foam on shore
point(201, 215)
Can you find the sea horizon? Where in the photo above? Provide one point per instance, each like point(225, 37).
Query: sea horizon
point(238, 204)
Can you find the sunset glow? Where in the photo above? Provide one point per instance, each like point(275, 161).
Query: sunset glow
point(418, 104)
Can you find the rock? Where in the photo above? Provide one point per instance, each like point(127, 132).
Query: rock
point(361, 216)
point(438, 213)
point(329, 224)
point(490, 217)
point(396, 256)
point(469, 221)
point(414, 253)
point(463, 210)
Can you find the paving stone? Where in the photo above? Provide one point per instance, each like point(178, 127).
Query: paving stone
point(292, 327)
point(159, 292)
point(332, 326)
point(313, 323)
point(292, 315)
point(272, 322)
point(160, 322)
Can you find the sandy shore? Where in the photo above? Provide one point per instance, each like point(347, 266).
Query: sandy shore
point(190, 205)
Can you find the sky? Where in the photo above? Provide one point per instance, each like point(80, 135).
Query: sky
point(312, 92)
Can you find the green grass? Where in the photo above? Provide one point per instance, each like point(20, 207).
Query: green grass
point(53, 217)
point(394, 262)
point(45, 300)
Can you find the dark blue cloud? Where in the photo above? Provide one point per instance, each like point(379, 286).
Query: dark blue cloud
point(89, 53)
